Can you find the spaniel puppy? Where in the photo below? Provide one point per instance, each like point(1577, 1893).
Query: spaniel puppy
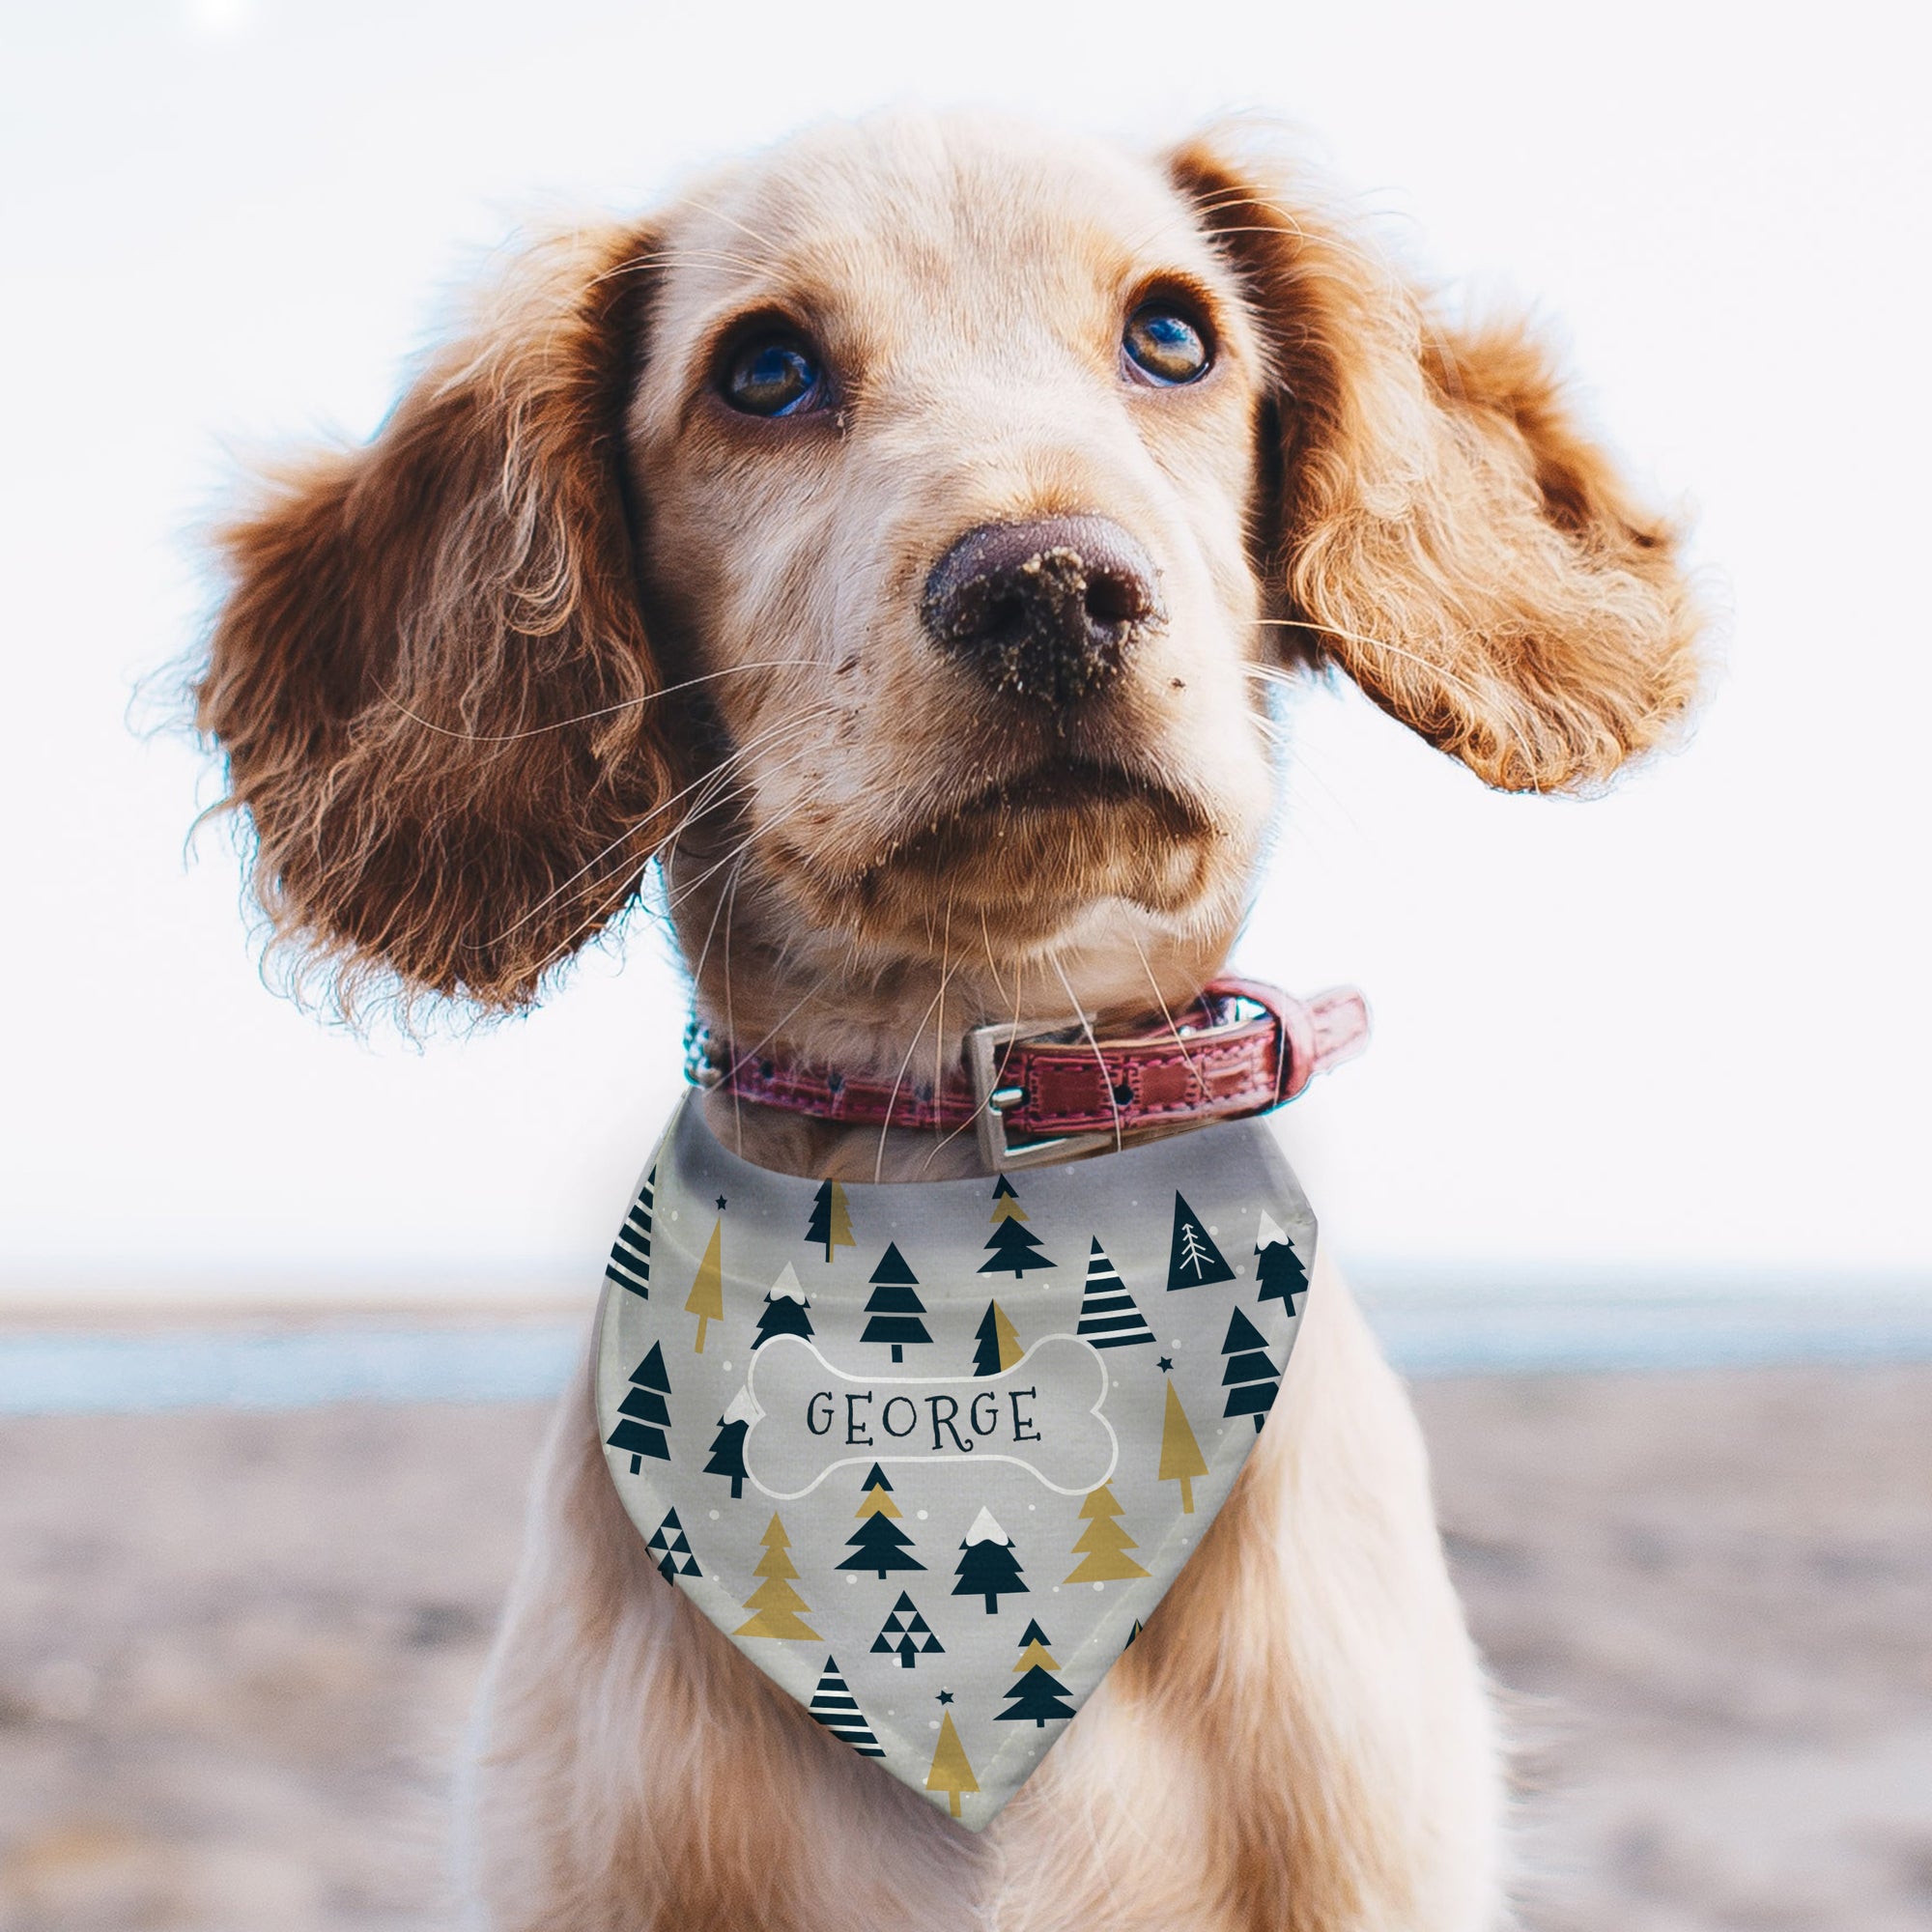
point(654, 563)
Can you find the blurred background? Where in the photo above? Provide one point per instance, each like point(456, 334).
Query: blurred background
point(1633, 1178)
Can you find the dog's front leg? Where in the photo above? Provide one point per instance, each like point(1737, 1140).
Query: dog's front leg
point(632, 1773)
point(1300, 1737)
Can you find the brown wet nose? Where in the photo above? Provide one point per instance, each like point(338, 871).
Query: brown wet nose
point(1046, 610)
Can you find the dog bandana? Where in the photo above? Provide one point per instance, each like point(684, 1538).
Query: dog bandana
point(930, 1453)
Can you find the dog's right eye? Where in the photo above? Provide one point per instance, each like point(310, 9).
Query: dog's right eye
point(772, 376)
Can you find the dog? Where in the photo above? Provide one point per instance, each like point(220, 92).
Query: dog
point(701, 545)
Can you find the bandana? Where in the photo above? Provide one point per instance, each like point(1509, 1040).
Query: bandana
point(930, 1453)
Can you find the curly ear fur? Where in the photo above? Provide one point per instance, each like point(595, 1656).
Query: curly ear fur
point(428, 676)
point(1438, 524)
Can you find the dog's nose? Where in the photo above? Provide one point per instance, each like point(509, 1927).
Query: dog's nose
point(1046, 610)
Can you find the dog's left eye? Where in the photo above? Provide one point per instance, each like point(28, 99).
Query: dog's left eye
point(772, 376)
point(1164, 346)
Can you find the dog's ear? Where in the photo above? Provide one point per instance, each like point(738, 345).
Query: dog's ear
point(1436, 521)
point(430, 676)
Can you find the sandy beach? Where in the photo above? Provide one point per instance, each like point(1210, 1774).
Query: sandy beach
point(237, 1651)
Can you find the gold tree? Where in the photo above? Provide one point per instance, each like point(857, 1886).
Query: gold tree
point(1180, 1457)
point(776, 1602)
point(706, 1299)
point(951, 1771)
point(1103, 1544)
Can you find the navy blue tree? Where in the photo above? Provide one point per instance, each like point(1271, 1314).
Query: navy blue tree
point(894, 1305)
point(834, 1707)
point(1251, 1379)
point(1014, 1246)
point(990, 1568)
point(644, 1416)
point(1038, 1694)
point(630, 1265)
point(1193, 1260)
point(879, 1543)
point(674, 1549)
point(785, 1310)
point(1277, 1269)
point(728, 1446)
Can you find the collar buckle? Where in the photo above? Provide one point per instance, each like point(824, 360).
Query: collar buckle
point(985, 1060)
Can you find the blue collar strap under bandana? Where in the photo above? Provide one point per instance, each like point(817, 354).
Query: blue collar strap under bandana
point(930, 1453)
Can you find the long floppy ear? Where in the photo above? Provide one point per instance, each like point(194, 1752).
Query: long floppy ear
point(430, 673)
point(1438, 524)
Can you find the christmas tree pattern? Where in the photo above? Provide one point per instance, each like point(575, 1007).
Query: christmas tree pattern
point(1013, 1245)
point(999, 1343)
point(880, 1544)
point(1037, 1696)
point(645, 1416)
point(1279, 1270)
point(908, 1634)
point(894, 1305)
point(706, 1299)
point(990, 1568)
point(1180, 1457)
point(630, 1265)
point(1252, 1380)
point(830, 1222)
point(838, 1710)
point(1193, 1259)
point(1109, 1316)
point(673, 1550)
point(785, 1310)
point(1103, 1544)
point(776, 1602)
point(950, 1772)
point(728, 1446)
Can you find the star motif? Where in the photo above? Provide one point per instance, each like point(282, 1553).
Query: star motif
point(946, 1697)
point(1165, 1364)
point(721, 1204)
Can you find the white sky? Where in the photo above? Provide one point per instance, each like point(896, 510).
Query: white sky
point(1683, 1028)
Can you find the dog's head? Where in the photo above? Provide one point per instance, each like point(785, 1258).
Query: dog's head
point(900, 533)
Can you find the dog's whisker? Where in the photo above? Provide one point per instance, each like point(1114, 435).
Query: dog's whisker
point(642, 826)
point(899, 1080)
point(1073, 1006)
point(717, 214)
point(672, 257)
point(972, 1121)
point(1494, 715)
point(740, 1056)
point(676, 900)
point(606, 903)
point(724, 786)
point(711, 930)
point(992, 965)
point(1140, 951)
point(731, 902)
point(939, 1024)
point(677, 897)
point(605, 711)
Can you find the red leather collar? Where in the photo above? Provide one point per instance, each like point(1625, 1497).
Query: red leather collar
point(1050, 1089)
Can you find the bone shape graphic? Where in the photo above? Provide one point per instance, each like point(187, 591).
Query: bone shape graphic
point(1043, 1413)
